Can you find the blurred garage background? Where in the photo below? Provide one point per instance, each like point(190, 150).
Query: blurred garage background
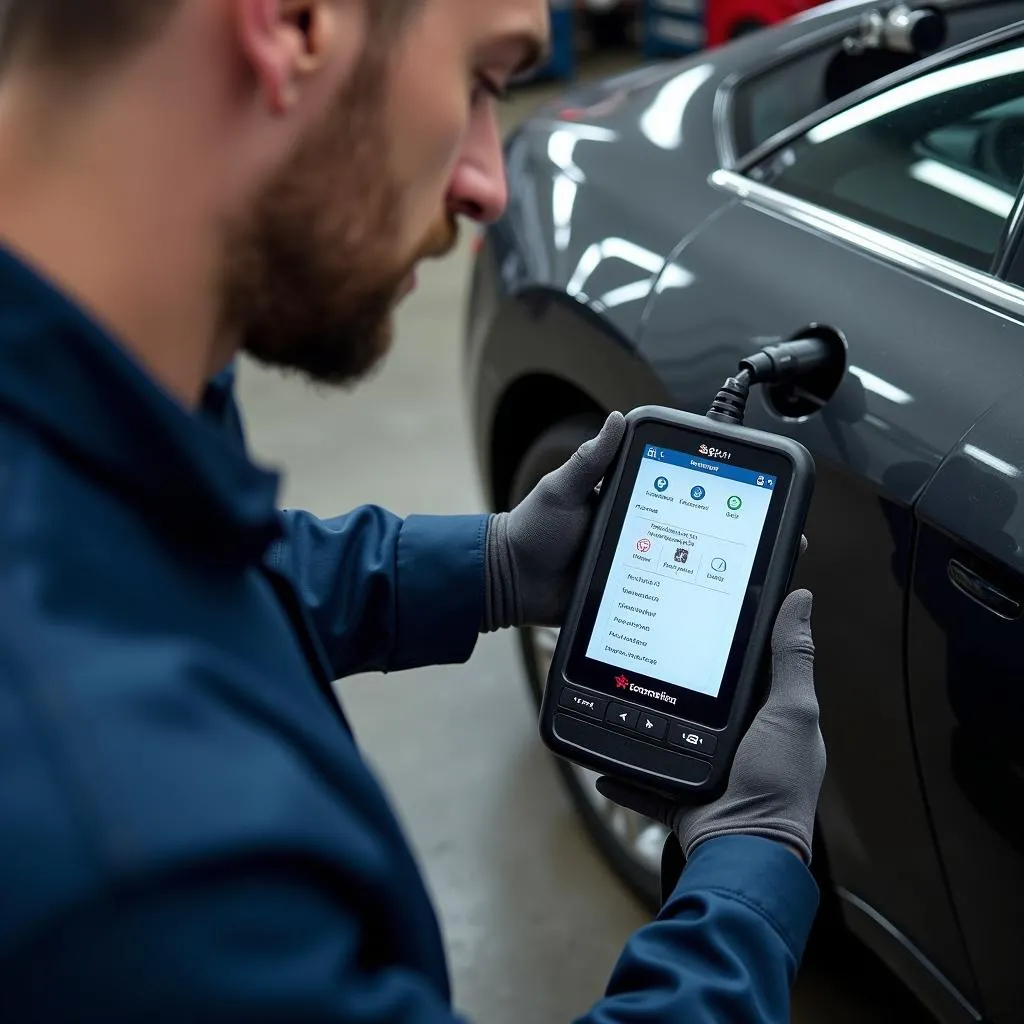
point(534, 919)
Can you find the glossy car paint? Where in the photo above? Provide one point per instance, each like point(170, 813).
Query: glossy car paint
point(623, 274)
point(966, 689)
point(876, 444)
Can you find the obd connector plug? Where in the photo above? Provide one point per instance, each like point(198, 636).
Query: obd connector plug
point(783, 363)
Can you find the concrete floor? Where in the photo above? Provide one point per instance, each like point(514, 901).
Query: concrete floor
point(534, 920)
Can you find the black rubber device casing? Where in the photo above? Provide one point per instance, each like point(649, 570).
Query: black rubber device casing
point(609, 751)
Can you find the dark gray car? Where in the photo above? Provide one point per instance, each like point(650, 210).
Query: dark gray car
point(665, 223)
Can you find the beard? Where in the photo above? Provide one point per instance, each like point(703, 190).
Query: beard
point(312, 272)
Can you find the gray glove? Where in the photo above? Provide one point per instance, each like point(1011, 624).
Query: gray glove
point(780, 763)
point(534, 551)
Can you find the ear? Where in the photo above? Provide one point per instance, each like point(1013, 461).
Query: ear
point(287, 42)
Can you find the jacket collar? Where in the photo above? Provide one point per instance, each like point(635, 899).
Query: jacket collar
point(64, 377)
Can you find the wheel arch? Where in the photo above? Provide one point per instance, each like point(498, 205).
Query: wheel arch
point(547, 357)
point(532, 404)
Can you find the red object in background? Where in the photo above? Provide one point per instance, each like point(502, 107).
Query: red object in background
point(729, 19)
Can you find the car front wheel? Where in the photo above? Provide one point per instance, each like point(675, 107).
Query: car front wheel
point(631, 844)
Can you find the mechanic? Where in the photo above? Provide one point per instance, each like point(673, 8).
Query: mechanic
point(188, 831)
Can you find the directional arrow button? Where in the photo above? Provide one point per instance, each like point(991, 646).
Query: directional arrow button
point(651, 726)
point(621, 715)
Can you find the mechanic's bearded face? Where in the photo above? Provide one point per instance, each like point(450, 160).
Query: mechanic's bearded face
point(316, 271)
point(410, 143)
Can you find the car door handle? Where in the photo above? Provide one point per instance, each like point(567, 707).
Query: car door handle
point(979, 589)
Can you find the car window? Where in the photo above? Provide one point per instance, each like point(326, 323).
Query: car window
point(937, 160)
point(774, 98)
point(769, 102)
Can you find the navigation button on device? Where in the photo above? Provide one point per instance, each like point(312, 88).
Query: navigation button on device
point(691, 739)
point(651, 758)
point(620, 714)
point(651, 726)
point(583, 703)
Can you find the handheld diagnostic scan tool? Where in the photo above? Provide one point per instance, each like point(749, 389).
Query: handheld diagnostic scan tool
point(664, 657)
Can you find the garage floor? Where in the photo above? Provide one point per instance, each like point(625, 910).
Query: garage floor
point(534, 921)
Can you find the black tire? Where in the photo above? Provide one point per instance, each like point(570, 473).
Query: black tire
point(548, 452)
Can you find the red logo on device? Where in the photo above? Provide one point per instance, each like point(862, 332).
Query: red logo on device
point(622, 682)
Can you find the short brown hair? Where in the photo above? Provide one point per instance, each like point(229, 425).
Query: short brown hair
point(80, 35)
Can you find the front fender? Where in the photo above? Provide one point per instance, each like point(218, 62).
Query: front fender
point(543, 357)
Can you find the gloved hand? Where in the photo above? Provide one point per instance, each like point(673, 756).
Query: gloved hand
point(534, 551)
point(780, 763)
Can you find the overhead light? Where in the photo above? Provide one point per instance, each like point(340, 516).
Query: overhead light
point(996, 65)
point(628, 252)
point(589, 262)
point(635, 292)
point(880, 387)
point(563, 202)
point(673, 276)
point(612, 249)
point(662, 121)
point(964, 186)
point(990, 460)
point(562, 143)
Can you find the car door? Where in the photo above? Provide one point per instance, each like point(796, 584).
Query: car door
point(966, 645)
point(878, 224)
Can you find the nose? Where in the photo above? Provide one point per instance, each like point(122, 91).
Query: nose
point(478, 188)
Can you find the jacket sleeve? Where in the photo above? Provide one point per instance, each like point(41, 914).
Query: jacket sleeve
point(386, 594)
point(381, 593)
point(726, 945)
point(274, 941)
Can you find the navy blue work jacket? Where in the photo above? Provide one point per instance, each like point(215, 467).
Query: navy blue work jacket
point(187, 829)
